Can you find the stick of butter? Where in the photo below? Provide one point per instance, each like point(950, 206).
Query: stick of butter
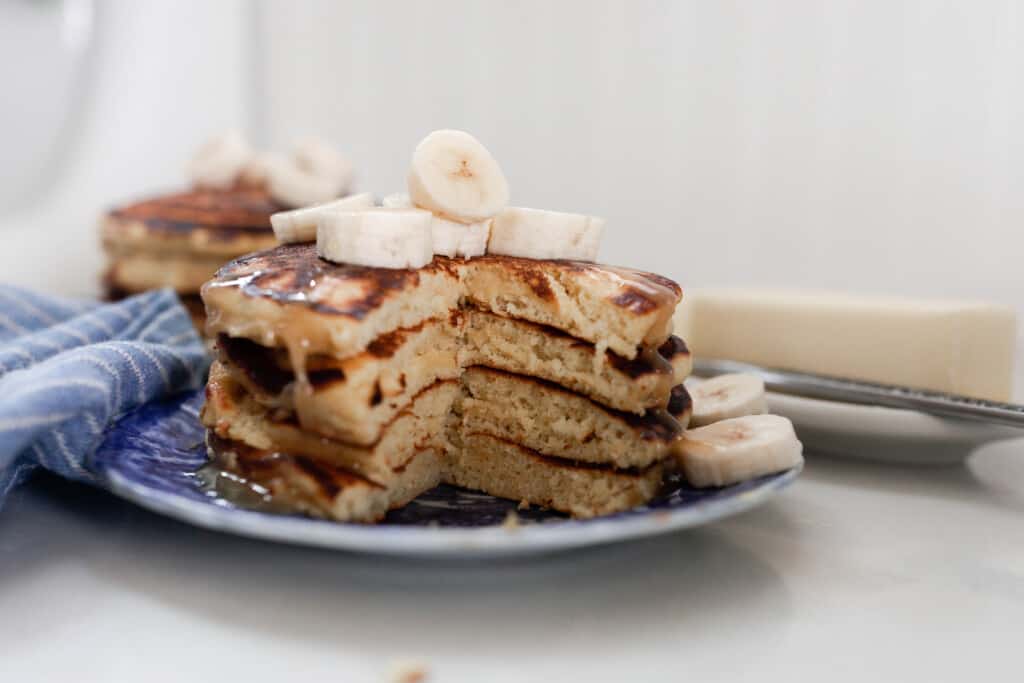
point(955, 347)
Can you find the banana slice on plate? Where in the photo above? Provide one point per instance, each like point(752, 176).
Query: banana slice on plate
point(539, 234)
point(725, 396)
point(299, 225)
point(738, 449)
point(453, 175)
point(219, 162)
point(377, 237)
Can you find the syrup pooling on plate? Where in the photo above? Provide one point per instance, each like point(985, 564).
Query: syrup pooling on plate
point(252, 478)
point(229, 487)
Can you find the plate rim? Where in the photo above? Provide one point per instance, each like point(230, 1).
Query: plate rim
point(447, 542)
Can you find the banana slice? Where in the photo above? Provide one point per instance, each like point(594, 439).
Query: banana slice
point(321, 159)
point(738, 449)
point(397, 200)
point(219, 162)
point(378, 237)
point(538, 234)
point(254, 172)
point(299, 225)
point(725, 396)
point(450, 238)
point(453, 239)
point(453, 175)
point(291, 185)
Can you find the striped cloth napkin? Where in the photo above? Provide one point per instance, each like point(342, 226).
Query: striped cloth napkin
point(69, 368)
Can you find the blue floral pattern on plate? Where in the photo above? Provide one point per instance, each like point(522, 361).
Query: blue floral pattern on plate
point(152, 456)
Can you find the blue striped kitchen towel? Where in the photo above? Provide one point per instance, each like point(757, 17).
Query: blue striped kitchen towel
point(69, 368)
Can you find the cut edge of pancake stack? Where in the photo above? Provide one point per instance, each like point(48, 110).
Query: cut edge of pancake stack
point(179, 240)
point(354, 375)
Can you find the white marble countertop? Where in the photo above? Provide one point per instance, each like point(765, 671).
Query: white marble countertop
point(858, 572)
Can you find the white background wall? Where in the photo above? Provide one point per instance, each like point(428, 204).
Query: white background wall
point(864, 145)
point(872, 146)
point(156, 77)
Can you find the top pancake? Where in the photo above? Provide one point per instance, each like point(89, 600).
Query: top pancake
point(290, 294)
point(225, 223)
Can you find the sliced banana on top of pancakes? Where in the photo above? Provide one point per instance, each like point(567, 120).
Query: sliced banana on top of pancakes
point(300, 225)
point(453, 175)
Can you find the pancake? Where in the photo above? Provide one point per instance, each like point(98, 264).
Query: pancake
point(484, 463)
point(309, 474)
point(351, 399)
point(221, 223)
point(290, 297)
point(143, 271)
point(507, 470)
point(616, 308)
point(180, 240)
point(555, 422)
point(319, 489)
point(230, 413)
point(549, 353)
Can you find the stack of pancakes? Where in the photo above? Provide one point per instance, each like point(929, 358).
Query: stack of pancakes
point(344, 391)
point(180, 240)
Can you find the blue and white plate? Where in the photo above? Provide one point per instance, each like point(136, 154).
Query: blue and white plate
point(152, 455)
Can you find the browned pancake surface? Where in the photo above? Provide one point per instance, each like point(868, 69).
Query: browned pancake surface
point(226, 213)
point(293, 273)
point(635, 290)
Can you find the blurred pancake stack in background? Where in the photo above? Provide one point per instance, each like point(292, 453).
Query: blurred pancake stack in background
point(180, 239)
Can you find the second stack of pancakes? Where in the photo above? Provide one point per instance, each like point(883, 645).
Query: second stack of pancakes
point(344, 391)
point(180, 240)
